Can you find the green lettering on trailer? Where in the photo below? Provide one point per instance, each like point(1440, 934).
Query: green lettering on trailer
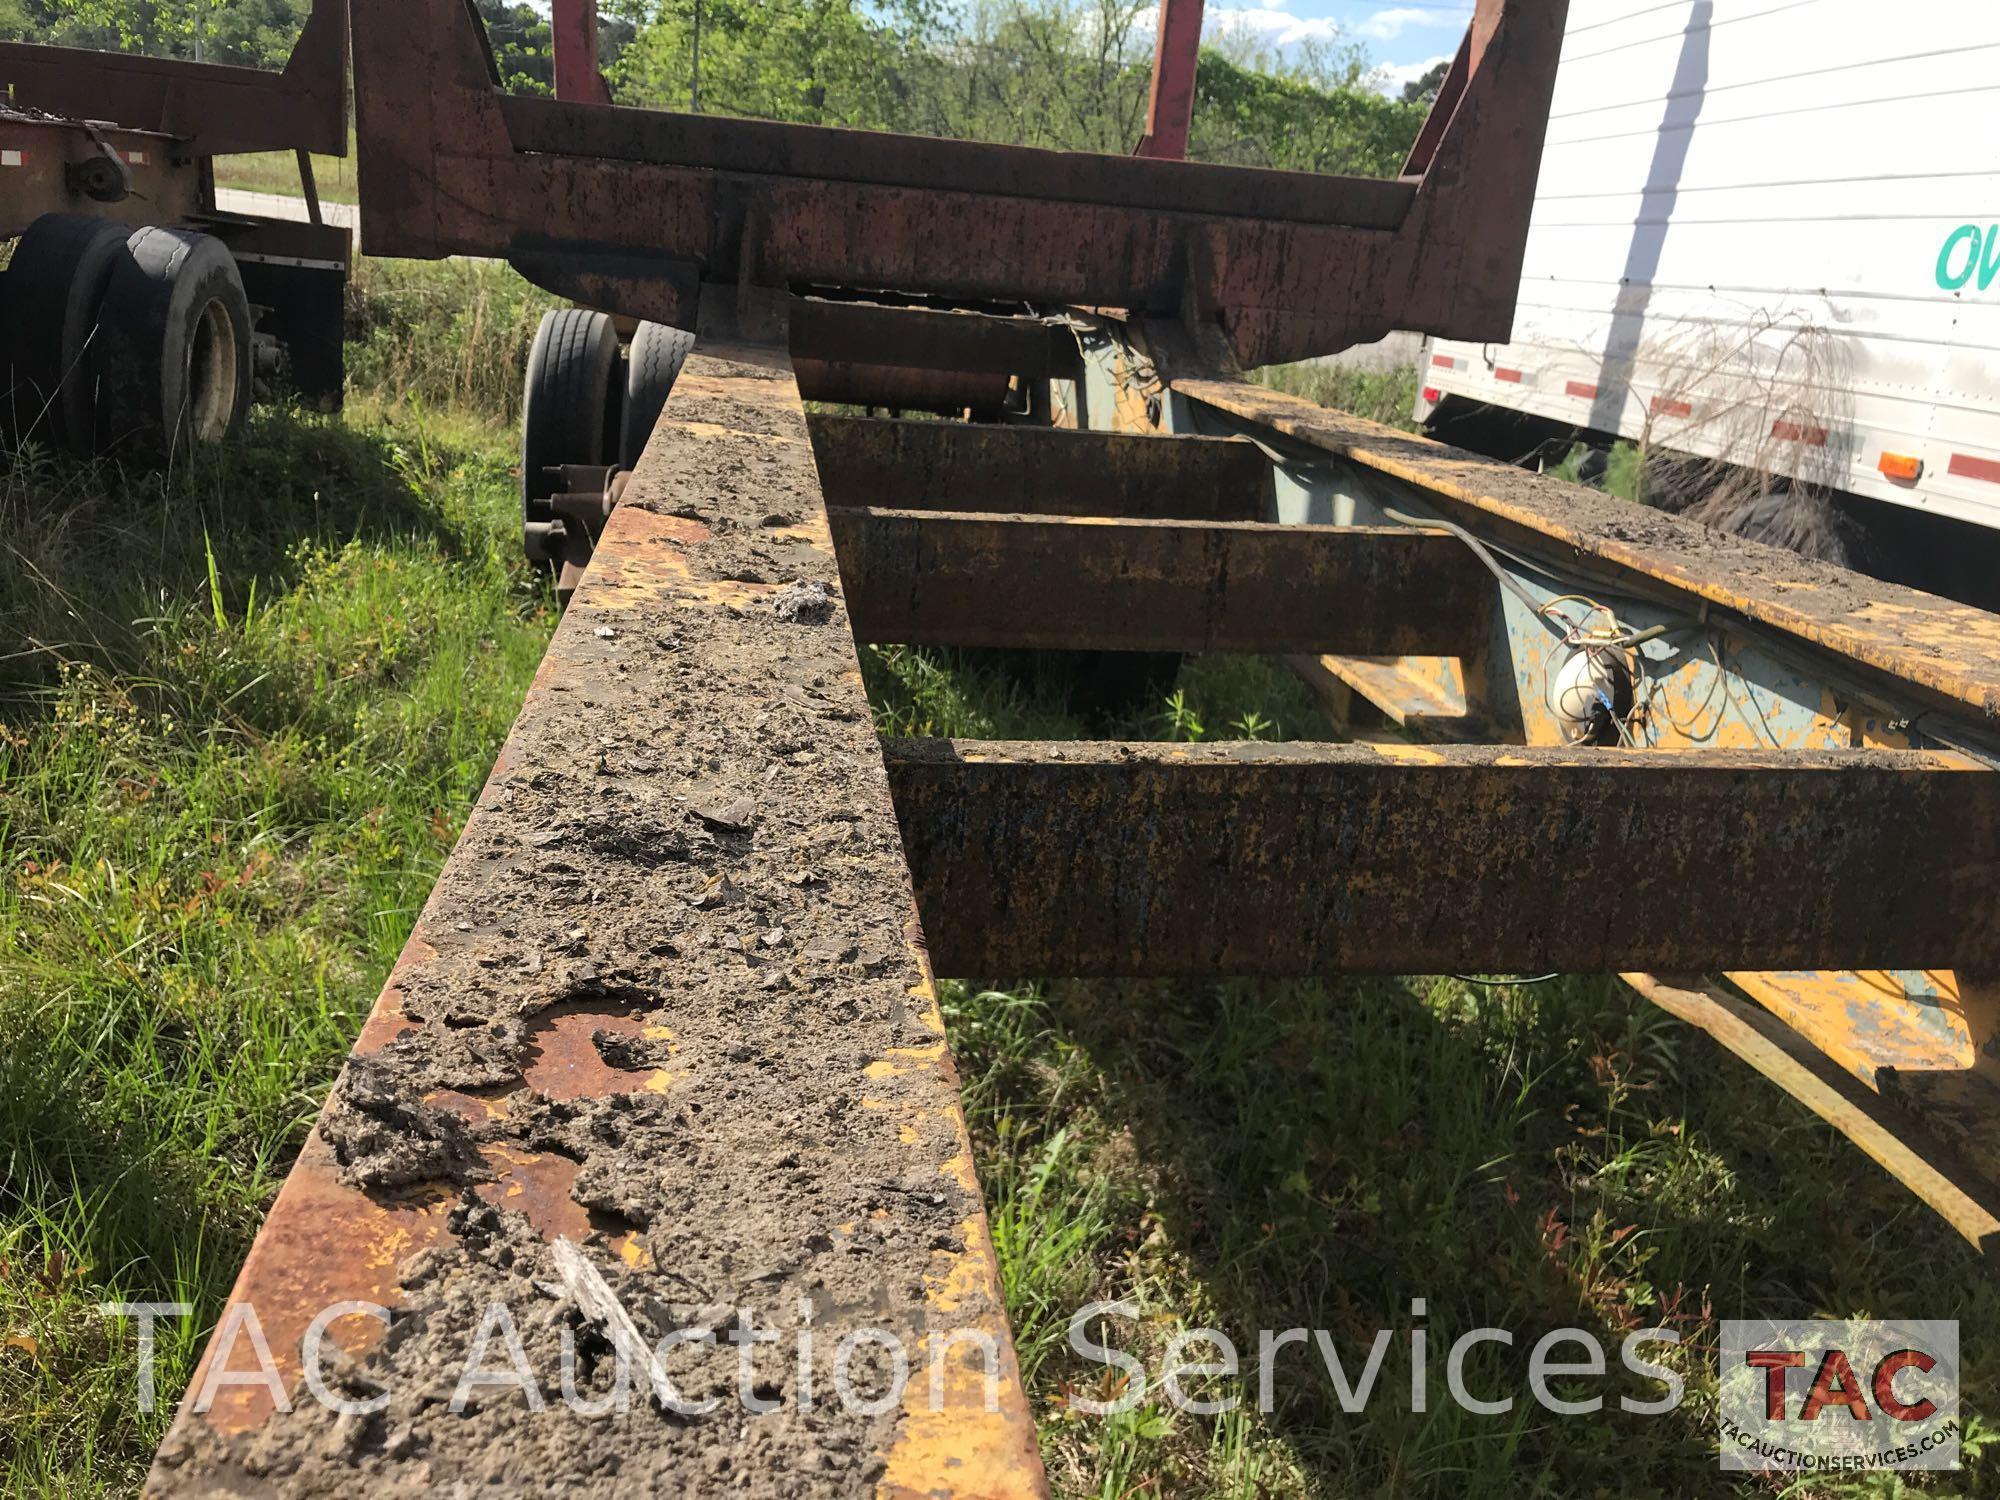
point(1982, 254)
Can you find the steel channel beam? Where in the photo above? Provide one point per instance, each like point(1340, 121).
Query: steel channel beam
point(1050, 471)
point(1961, 1191)
point(214, 108)
point(1921, 647)
point(1865, 662)
point(666, 1001)
point(921, 359)
point(942, 578)
point(1142, 860)
point(639, 205)
point(928, 339)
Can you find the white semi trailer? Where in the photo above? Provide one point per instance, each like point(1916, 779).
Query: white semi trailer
point(1767, 234)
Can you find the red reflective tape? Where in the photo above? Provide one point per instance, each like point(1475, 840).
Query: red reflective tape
point(1443, 362)
point(1512, 377)
point(1432, 394)
point(1974, 468)
point(1671, 407)
point(1582, 388)
point(1792, 432)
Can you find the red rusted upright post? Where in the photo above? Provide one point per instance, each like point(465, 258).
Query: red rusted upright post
point(573, 26)
point(1174, 62)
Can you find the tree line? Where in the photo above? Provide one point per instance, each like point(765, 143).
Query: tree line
point(1072, 74)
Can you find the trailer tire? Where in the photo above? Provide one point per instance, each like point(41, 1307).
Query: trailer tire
point(652, 363)
point(172, 357)
point(55, 288)
point(571, 404)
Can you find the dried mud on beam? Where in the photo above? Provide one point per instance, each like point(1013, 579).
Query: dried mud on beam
point(665, 1002)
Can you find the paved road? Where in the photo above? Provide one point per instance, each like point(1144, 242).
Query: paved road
point(278, 206)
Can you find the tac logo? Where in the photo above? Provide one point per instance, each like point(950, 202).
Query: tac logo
point(1834, 1396)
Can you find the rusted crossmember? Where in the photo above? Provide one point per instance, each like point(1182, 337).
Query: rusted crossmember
point(1218, 859)
point(939, 578)
point(665, 1003)
point(1039, 470)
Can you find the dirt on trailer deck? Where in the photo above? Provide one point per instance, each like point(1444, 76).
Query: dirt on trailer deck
point(665, 1002)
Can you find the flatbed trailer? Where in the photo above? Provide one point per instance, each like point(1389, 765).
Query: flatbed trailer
point(664, 1046)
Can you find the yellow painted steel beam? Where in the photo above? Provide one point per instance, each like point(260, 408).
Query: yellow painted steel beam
point(1948, 654)
point(666, 1002)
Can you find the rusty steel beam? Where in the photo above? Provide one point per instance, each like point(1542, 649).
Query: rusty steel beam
point(1151, 860)
point(928, 338)
point(213, 107)
point(944, 578)
point(647, 204)
point(573, 36)
point(1934, 651)
point(1170, 105)
point(666, 1002)
point(921, 359)
point(1025, 470)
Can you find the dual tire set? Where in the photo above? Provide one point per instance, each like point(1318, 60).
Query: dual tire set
point(115, 339)
point(588, 402)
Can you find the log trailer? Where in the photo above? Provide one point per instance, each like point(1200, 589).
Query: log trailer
point(134, 312)
point(664, 1046)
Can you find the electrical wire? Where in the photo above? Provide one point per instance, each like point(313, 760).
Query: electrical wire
point(1516, 982)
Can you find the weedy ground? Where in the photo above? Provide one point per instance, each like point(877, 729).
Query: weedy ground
point(243, 710)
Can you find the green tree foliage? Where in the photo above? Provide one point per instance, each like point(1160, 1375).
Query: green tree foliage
point(1071, 74)
point(1424, 88)
point(249, 33)
point(817, 62)
point(1314, 112)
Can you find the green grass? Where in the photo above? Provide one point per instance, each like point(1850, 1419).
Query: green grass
point(1253, 1156)
point(243, 711)
point(1388, 396)
point(278, 172)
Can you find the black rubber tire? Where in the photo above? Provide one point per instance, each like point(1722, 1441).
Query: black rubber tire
point(55, 285)
point(567, 410)
point(172, 354)
point(653, 361)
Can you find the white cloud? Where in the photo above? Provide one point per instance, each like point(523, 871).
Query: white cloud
point(1271, 26)
point(1387, 25)
point(1275, 26)
point(1390, 77)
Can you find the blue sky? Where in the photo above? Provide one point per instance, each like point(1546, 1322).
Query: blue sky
point(1404, 36)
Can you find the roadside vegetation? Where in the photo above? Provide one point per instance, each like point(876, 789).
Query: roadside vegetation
point(1386, 396)
point(243, 710)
